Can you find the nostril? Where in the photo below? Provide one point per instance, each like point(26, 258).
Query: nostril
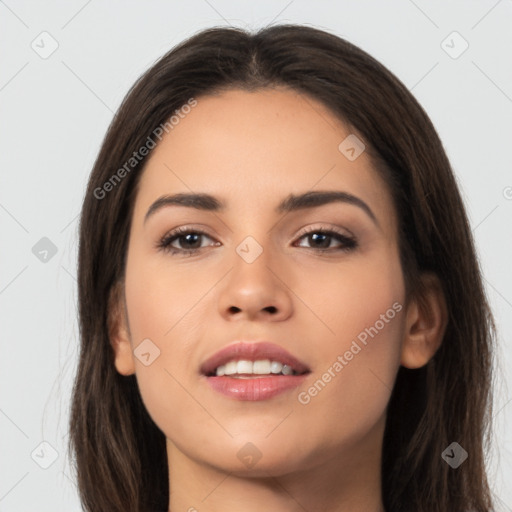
point(270, 309)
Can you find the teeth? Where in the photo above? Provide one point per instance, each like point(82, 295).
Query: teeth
point(287, 370)
point(276, 367)
point(244, 367)
point(229, 368)
point(260, 367)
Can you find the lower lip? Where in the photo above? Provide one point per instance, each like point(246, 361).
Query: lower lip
point(258, 388)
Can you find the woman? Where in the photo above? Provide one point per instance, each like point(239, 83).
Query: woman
point(281, 306)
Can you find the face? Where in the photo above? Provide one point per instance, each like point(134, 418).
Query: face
point(321, 280)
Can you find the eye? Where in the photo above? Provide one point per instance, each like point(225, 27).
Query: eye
point(183, 240)
point(321, 240)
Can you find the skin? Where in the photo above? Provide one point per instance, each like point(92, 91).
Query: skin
point(252, 150)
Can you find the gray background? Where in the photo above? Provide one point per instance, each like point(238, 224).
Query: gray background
point(54, 114)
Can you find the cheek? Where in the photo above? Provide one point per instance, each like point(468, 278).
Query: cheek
point(164, 308)
point(364, 292)
point(163, 301)
point(360, 368)
point(357, 359)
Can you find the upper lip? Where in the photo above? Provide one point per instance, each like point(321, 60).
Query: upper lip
point(252, 352)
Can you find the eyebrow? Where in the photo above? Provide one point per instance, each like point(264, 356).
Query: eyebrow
point(312, 199)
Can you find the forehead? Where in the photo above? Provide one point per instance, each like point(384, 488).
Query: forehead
point(254, 148)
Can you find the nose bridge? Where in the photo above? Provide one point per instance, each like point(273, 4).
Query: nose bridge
point(253, 287)
point(252, 264)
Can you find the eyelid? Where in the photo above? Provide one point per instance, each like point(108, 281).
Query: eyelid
point(199, 228)
point(321, 227)
point(182, 230)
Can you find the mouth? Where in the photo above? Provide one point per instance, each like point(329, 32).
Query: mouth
point(253, 371)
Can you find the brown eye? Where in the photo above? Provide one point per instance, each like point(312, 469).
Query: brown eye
point(183, 240)
point(321, 239)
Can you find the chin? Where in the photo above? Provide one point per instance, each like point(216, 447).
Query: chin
point(269, 465)
point(258, 456)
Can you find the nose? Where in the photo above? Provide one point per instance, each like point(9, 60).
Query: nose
point(255, 291)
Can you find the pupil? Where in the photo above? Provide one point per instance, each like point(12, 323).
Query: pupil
point(188, 238)
point(323, 238)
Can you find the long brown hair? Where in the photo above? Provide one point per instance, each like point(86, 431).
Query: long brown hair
point(120, 454)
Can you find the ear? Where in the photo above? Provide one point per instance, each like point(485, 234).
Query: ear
point(119, 332)
point(426, 321)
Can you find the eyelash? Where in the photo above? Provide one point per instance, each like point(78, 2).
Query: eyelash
point(348, 243)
